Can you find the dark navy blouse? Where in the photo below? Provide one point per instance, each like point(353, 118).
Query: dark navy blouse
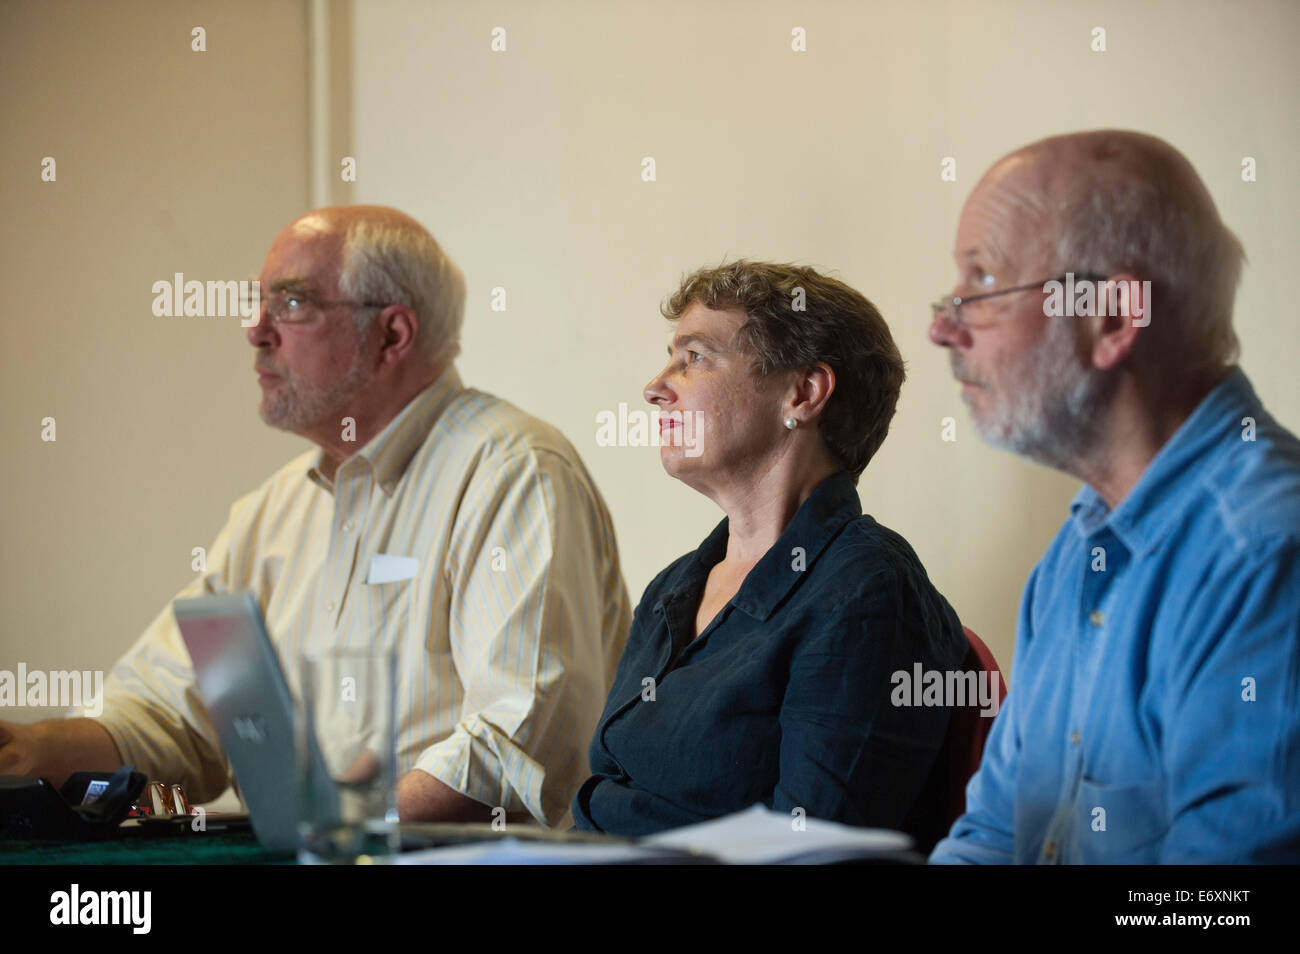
point(785, 699)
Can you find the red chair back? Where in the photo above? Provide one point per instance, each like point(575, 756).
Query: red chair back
point(968, 729)
point(943, 797)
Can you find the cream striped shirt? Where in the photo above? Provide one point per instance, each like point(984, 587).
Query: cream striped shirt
point(507, 637)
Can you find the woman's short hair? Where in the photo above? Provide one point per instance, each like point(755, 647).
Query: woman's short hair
point(797, 318)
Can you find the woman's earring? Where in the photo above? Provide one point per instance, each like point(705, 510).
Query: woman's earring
point(791, 423)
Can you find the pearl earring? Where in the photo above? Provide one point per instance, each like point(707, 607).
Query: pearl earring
point(791, 423)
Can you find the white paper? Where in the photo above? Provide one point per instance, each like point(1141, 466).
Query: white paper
point(759, 836)
point(390, 569)
point(755, 836)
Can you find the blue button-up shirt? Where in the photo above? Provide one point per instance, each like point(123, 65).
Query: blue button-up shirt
point(784, 699)
point(1153, 715)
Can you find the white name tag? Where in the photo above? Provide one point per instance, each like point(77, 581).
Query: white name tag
point(390, 569)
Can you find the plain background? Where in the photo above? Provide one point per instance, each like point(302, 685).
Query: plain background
point(526, 165)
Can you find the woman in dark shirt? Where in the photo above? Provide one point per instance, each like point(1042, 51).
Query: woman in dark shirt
point(759, 668)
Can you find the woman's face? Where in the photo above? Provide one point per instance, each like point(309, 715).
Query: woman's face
point(719, 421)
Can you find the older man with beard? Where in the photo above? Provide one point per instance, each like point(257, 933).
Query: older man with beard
point(1154, 713)
point(510, 613)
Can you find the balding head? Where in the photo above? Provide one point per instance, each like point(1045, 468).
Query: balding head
point(382, 254)
point(337, 219)
point(1112, 202)
point(1104, 160)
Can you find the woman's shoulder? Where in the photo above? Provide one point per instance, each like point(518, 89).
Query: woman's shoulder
point(868, 546)
point(871, 563)
point(877, 574)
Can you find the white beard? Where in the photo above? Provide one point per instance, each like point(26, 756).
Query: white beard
point(299, 407)
point(1049, 404)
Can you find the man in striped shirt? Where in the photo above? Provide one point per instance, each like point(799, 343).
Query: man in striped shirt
point(508, 612)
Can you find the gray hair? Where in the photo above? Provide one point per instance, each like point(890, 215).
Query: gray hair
point(1156, 220)
point(403, 264)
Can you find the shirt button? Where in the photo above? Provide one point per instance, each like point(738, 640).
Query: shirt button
point(1050, 853)
point(329, 606)
point(1074, 737)
point(347, 526)
point(1096, 617)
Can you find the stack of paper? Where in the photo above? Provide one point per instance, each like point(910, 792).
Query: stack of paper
point(756, 836)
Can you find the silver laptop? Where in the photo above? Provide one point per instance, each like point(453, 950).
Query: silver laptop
point(243, 686)
point(241, 682)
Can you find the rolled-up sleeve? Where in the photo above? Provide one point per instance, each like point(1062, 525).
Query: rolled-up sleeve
point(529, 629)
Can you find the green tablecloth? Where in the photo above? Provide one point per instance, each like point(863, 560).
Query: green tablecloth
point(215, 848)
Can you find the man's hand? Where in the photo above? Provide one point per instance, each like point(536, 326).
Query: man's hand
point(17, 749)
point(56, 748)
point(422, 798)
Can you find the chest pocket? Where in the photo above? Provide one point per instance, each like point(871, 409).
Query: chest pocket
point(1135, 822)
point(380, 614)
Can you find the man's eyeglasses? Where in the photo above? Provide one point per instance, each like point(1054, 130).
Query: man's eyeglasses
point(294, 307)
point(950, 306)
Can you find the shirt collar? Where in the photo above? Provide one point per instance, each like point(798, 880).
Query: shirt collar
point(390, 451)
point(817, 521)
point(1153, 505)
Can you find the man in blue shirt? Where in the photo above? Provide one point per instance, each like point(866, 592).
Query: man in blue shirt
point(1154, 715)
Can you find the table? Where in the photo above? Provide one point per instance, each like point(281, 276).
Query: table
point(211, 848)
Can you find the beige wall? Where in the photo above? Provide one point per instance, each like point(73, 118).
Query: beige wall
point(526, 165)
point(167, 160)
